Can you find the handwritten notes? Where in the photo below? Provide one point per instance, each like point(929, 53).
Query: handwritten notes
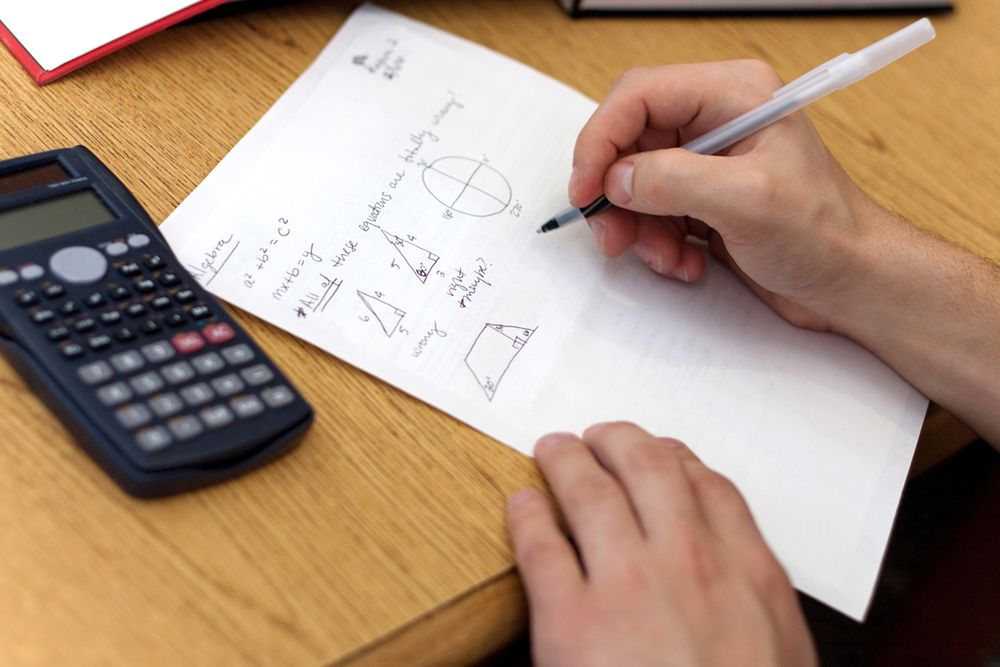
point(385, 210)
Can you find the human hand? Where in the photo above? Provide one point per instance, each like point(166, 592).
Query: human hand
point(776, 206)
point(671, 568)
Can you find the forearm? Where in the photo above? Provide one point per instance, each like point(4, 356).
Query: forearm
point(930, 310)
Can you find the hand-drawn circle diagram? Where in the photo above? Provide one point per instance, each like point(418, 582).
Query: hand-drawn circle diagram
point(467, 185)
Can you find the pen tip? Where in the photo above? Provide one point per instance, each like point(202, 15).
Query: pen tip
point(548, 226)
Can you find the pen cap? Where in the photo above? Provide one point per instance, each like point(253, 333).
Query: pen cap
point(873, 58)
point(898, 44)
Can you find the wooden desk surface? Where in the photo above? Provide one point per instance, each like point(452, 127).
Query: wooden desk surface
point(381, 538)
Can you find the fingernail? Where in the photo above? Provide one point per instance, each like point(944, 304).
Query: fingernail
point(598, 227)
point(574, 183)
point(681, 273)
point(553, 439)
point(647, 253)
point(521, 497)
point(619, 182)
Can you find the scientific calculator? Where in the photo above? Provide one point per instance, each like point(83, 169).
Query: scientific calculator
point(157, 383)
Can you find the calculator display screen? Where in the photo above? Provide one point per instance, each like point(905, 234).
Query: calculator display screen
point(52, 217)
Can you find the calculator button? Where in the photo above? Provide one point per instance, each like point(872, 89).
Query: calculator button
point(197, 394)
point(150, 327)
point(54, 291)
point(169, 279)
point(153, 439)
point(145, 286)
point(116, 249)
point(257, 375)
point(177, 373)
point(216, 416)
point(161, 303)
point(138, 240)
point(185, 296)
point(218, 333)
point(246, 406)
point(135, 309)
point(158, 352)
point(200, 312)
point(42, 316)
point(146, 383)
point(209, 363)
point(227, 385)
point(69, 307)
point(175, 319)
point(96, 372)
point(129, 269)
point(238, 354)
point(126, 362)
point(277, 397)
point(7, 277)
point(125, 334)
point(99, 342)
point(185, 428)
point(31, 272)
point(78, 265)
point(133, 415)
point(27, 298)
point(154, 262)
point(110, 317)
point(58, 333)
point(94, 299)
point(114, 394)
point(72, 350)
point(118, 292)
point(188, 342)
point(85, 324)
point(166, 405)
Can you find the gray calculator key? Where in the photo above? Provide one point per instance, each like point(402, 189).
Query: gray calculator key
point(185, 428)
point(216, 416)
point(246, 406)
point(165, 405)
point(257, 375)
point(277, 397)
point(153, 439)
point(208, 363)
point(126, 362)
point(7, 277)
point(114, 394)
point(146, 383)
point(93, 373)
point(227, 385)
point(133, 415)
point(238, 354)
point(158, 352)
point(177, 373)
point(197, 394)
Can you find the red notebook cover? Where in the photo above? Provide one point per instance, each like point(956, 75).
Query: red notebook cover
point(43, 76)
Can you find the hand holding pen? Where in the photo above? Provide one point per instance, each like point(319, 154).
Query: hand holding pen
point(777, 208)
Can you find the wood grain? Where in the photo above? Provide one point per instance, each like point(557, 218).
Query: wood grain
point(381, 538)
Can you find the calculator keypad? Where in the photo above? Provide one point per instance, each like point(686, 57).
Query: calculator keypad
point(189, 377)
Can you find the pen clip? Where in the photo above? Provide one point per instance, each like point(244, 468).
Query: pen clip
point(809, 77)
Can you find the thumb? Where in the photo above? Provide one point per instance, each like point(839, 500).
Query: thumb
point(676, 182)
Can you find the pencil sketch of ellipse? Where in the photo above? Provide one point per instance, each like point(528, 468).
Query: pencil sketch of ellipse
point(467, 186)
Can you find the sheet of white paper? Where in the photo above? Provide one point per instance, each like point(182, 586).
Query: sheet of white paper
point(57, 31)
point(385, 210)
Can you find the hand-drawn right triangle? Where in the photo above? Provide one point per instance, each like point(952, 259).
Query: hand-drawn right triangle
point(388, 315)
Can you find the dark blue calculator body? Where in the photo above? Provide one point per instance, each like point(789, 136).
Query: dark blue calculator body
point(157, 383)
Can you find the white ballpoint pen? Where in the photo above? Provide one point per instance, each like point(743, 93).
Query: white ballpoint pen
point(831, 76)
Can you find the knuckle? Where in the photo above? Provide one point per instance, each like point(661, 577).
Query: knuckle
point(766, 572)
point(535, 551)
point(714, 485)
point(647, 458)
point(760, 73)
